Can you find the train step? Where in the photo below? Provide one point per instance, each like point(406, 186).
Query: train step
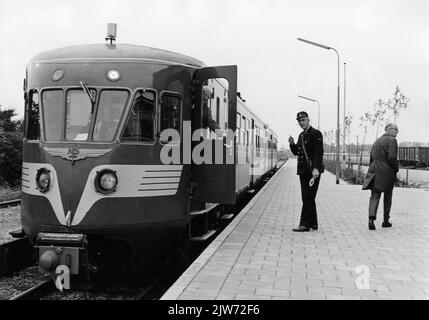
point(204, 237)
point(227, 216)
point(203, 211)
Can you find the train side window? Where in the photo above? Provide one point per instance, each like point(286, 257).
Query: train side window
point(217, 110)
point(109, 113)
point(243, 130)
point(225, 111)
point(140, 123)
point(53, 114)
point(33, 116)
point(247, 132)
point(170, 116)
point(258, 141)
point(78, 114)
point(253, 133)
point(238, 129)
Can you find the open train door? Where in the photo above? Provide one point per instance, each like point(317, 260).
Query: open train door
point(214, 181)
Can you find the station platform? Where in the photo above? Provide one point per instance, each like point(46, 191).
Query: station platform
point(258, 256)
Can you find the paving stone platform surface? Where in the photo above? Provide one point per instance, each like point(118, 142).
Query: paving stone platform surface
point(259, 257)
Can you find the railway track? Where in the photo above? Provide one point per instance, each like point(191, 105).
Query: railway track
point(36, 291)
point(10, 203)
point(46, 290)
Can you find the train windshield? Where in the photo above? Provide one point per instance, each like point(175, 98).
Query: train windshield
point(53, 114)
point(78, 119)
point(110, 107)
point(73, 122)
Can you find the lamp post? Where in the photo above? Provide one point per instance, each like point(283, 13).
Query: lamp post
point(344, 117)
point(337, 171)
point(318, 109)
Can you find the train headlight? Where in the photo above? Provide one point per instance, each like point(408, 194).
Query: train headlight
point(43, 180)
point(58, 75)
point(113, 75)
point(106, 181)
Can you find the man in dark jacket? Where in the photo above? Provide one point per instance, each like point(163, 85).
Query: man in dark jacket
point(381, 174)
point(309, 150)
point(208, 121)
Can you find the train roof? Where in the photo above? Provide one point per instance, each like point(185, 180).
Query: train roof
point(413, 144)
point(120, 52)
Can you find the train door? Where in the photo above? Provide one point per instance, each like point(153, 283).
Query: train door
point(214, 178)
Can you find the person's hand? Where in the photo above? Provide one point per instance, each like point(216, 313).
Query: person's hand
point(315, 173)
point(291, 141)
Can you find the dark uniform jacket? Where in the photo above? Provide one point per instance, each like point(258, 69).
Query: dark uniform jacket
point(383, 165)
point(313, 141)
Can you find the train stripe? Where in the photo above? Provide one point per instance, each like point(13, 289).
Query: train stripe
point(165, 174)
point(163, 170)
point(159, 186)
point(160, 180)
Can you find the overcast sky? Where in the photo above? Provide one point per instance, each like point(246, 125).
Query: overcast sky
point(384, 43)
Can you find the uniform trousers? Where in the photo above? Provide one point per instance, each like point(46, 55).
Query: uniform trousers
point(308, 195)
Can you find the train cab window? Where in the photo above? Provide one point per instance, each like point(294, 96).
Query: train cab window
point(170, 117)
point(32, 130)
point(140, 123)
point(109, 112)
point(53, 114)
point(78, 114)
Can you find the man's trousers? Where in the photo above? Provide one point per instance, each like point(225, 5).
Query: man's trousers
point(308, 195)
point(375, 200)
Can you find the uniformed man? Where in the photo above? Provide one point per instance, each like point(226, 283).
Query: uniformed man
point(381, 174)
point(207, 115)
point(309, 150)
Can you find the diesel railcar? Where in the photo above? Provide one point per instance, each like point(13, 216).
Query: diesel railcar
point(96, 191)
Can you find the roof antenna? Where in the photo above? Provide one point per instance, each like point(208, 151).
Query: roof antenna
point(111, 32)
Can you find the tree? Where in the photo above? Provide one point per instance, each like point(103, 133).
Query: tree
point(398, 102)
point(10, 148)
point(348, 122)
point(380, 110)
point(365, 120)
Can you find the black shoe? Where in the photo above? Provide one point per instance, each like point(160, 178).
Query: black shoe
point(386, 224)
point(371, 225)
point(314, 227)
point(301, 229)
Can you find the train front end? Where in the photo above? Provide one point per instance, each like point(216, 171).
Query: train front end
point(95, 191)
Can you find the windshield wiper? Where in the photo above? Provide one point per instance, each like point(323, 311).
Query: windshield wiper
point(88, 92)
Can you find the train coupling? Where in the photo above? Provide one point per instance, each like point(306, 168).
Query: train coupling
point(62, 249)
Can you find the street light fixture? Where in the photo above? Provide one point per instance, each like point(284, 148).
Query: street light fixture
point(318, 109)
point(337, 171)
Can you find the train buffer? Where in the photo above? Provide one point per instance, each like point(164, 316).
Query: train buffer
point(257, 256)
